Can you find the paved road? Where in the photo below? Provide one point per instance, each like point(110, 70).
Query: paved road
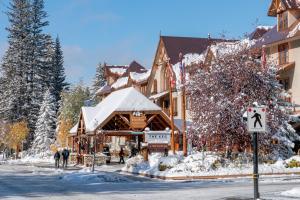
point(43, 182)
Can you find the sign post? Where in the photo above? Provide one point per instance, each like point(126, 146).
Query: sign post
point(256, 122)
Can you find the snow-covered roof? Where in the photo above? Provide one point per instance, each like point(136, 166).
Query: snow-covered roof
point(294, 31)
point(128, 99)
point(104, 89)
point(156, 96)
point(188, 60)
point(265, 27)
point(139, 77)
point(226, 48)
point(118, 70)
point(120, 82)
point(178, 123)
point(73, 130)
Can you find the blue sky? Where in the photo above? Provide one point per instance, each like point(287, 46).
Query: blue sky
point(119, 31)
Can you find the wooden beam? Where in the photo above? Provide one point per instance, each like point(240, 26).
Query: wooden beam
point(125, 120)
point(151, 118)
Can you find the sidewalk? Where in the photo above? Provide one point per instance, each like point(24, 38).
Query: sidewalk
point(210, 177)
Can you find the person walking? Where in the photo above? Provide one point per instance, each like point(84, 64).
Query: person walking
point(121, 154)
point(57, 158)
point(65, 155)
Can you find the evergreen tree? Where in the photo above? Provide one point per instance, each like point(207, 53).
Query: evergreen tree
point(58, 72)
point(99, 79)
point(14, 96)
point(46, 125)
point(26, 65)
point(71, 103)
point(38, 71)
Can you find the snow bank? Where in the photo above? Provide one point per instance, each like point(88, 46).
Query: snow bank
point(295, 192)
point(44, 157)
point(202, 164)
point(85, 176)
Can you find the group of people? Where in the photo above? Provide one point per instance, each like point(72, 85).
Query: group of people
point(133, 152)
point(65, 156)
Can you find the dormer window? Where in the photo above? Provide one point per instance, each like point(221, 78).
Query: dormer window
point(282, 21)
point(283, 51)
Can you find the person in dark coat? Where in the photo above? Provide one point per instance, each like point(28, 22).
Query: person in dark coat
point(57, 158)
point(121, 154)
point(65, 155)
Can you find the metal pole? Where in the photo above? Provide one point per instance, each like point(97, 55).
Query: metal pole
point(255, 166)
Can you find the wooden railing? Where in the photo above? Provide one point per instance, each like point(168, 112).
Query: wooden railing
point(283, 57)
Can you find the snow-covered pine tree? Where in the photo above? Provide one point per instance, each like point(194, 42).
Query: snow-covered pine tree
point(46, 125)
point(58, 82)
point(38, 71)
point(14, 96)
point(99, 79)
point(220, 95)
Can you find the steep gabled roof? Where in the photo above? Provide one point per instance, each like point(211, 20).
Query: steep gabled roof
point(277, 6)
point(259, 32)
point(274, 36)
point(135, 67)
point(185, 45)
point(128, 99)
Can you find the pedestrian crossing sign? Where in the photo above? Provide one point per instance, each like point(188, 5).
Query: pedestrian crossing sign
point(256, 119)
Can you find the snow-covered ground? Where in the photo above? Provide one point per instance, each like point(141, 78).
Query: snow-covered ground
point(202, 164)
point(295, 192)
point(42, 181)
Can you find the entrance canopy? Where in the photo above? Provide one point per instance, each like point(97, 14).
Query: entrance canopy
point(122, 110)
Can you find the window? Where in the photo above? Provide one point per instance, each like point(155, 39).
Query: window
point(175, 109)
point(285, 83)
point(282, 21)
point(166, 80)
point(155, 87)
point(283, 53)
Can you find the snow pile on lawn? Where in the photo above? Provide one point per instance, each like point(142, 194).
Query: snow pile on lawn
point(85, 176)
point(295, 192)
point(43, 157)
point(205, 164)
point(156, 162)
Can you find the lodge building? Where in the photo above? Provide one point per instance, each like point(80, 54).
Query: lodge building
point(282, 47)
point(135, 98)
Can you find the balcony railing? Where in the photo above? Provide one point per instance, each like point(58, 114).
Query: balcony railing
point(283, 57)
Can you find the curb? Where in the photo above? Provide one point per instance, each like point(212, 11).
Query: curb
point(178, 178)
